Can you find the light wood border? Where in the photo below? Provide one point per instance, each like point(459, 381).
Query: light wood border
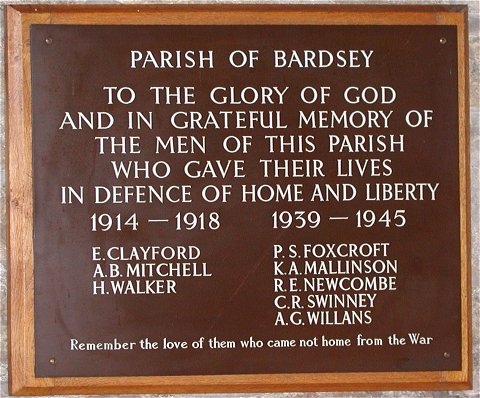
point(22, 380)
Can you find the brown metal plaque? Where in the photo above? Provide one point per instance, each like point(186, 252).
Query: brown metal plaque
point(248, 199)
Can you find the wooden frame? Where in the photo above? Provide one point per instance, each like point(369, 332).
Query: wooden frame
point(22, 379)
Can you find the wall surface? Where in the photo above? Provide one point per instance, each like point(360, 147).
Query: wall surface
point(474, 32)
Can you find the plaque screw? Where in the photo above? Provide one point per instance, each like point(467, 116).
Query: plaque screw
point(443, 40)
point(446, 354)
point(52, 361)
point(36, 9)
point(49, 40)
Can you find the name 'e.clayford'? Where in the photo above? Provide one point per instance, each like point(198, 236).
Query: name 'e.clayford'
point(146, 253)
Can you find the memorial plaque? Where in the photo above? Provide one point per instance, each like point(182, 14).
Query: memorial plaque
point(208, 199)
